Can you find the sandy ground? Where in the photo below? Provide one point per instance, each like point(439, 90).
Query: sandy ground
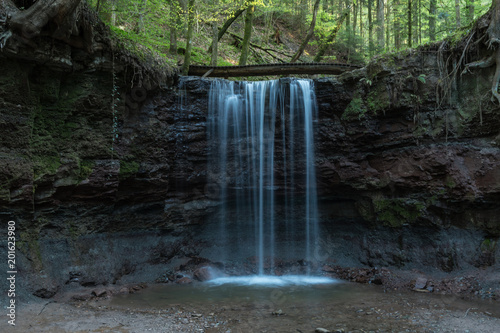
point(371, 310)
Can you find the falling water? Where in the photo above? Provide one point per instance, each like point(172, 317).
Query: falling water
point(262, 160)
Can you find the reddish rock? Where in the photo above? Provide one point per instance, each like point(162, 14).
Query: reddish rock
point(99, 292)
point(206, 273)
point(184, 280)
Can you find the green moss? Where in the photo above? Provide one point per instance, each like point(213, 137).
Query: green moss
point(85, 169)
point(377, 100)
point(450, 182)
point(147, 48)
point(28, 244)
point(128, 168)
point(45, 165)
point(398, 212)
point(355, 110)
point(488, 245)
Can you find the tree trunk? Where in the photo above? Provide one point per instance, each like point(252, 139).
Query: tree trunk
point(113, 12)
point(397, 25)
point(174, 24)
point(457, 14)
point(245, 44)
point(470, 11)
point(380, 24)
point(142, 11)
point(409, 23)
point(331, 37)
point(187, 56)
point(310, 33)
point(173, 40)
point(215, 43)
point(432, 20)
point(302, 16)
point(226, 25)
point(370, 28)
point(419, 21)
point(387, 30)
point(361, 18)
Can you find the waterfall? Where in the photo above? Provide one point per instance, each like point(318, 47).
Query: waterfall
point(261, 146)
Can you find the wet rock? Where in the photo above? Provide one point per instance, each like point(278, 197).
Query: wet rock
point(278, 313)
point(81, 297)
point(45, 293)
point(184, 280)
point(99, 292)
point(206, 273)
point(321, 330)
point(420, 283)
point(123, 290)
point(136, 288)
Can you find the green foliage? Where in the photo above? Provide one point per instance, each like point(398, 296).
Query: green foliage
point(355, 110)
point(144, 27)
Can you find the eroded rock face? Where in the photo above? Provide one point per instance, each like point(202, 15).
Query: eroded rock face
point(95, 169)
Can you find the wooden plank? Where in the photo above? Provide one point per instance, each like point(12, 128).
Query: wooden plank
point(270, 69)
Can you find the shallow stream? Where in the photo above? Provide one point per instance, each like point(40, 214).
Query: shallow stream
point(303, 307)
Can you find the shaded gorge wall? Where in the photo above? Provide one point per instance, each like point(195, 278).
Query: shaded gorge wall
point(404, 180)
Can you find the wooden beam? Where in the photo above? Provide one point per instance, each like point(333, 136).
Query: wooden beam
point(270, 69)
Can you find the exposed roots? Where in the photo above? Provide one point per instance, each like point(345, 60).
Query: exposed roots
point(493, 43)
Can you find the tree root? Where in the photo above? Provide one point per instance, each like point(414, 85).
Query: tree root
point(64, 20)
point(493, 59)
point(493, 33)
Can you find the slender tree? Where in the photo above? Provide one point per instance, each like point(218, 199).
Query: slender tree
point(380, 24)
point(187, 56)
point(370, 28)
point(324, 47)
point(215, 38)
point(245, 44)
point(396, 24)
point(409, 22)
point(457, 14)
point(432, 20)
point(174, 23)
point(227, 24)
point(470, 11)
point(310, 33)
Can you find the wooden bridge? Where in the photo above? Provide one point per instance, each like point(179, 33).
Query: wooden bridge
point(270, 69)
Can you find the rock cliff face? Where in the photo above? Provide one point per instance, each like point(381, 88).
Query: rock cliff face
point(107, 181)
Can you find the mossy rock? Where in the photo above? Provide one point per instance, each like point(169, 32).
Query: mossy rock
point(355, 110)
point(398, 212)
point(128, 169)
point(85, 169)
point(378, 100)
point(45, 165)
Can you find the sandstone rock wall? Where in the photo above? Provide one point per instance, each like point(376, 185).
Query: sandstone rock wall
point(407, 171)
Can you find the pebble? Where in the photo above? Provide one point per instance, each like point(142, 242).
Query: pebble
point(321, 330)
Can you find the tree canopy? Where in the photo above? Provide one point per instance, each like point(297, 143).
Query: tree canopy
point(263, 31)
